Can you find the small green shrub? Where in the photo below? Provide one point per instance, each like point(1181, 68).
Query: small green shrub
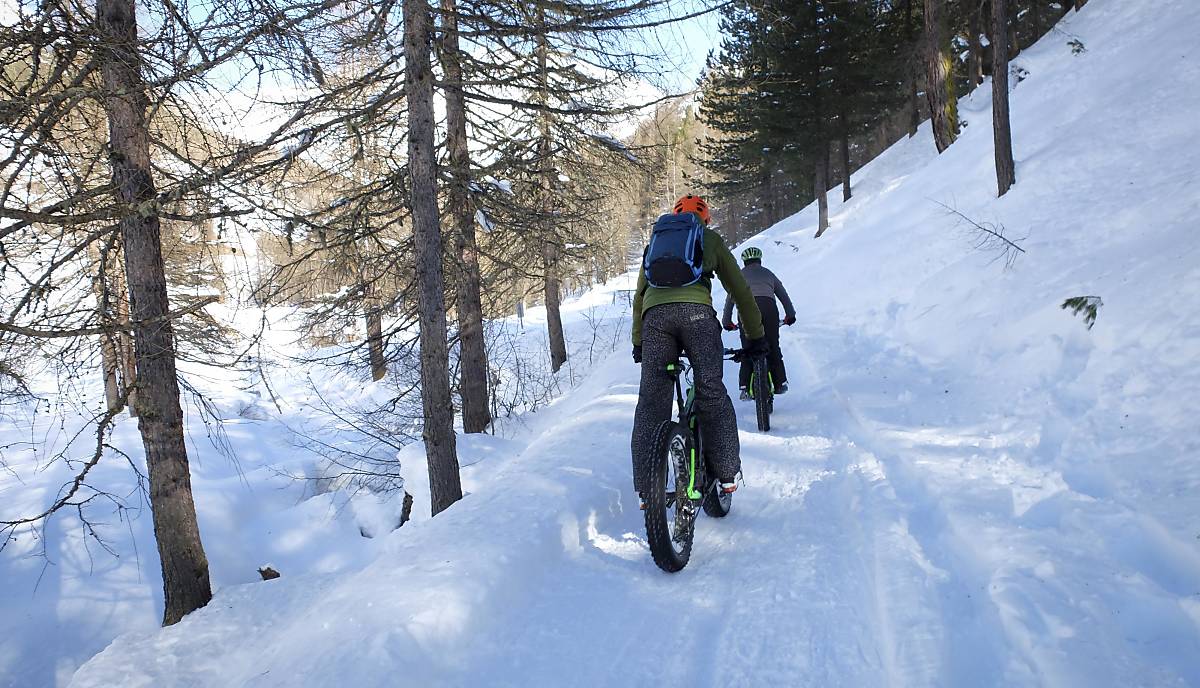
point(1088, 305)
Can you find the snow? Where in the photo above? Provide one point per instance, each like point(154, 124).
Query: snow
point(964, 486)
point(501, 184)
point(485, 223)
point(616, 146)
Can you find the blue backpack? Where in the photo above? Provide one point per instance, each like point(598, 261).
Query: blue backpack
point(675, 256)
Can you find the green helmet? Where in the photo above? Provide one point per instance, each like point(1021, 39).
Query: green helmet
point(752, 253)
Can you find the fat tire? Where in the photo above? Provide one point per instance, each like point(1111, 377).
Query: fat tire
point(658, 534)
point(762, 395)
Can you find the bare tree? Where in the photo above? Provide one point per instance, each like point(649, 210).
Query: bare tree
point(444, 484)
point(551, 286)
point(93, 228)
point(473, 362)
point(184, 567)
point(375, 351)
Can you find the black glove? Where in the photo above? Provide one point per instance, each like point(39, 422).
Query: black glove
point(758, 347)
point(789, 320)
point(731, 327)
point(637, 353)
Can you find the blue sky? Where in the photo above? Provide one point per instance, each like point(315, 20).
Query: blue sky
point(685, 45)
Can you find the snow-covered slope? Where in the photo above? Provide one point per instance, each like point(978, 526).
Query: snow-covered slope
point(965, 486)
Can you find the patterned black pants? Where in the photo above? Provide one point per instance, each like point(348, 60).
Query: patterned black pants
point(667, 330)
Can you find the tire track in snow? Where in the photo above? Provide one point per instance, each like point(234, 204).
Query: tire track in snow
point(901, 596)
point(789, 620)
point(1039, 584)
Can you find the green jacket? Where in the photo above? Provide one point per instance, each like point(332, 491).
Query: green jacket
point(717, 260)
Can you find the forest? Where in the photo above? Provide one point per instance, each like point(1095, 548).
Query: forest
point(239, 193)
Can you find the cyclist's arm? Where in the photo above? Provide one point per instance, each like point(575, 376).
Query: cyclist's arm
point(782, 295)
point(731, 277)
point(727, 314)
point(637, 308)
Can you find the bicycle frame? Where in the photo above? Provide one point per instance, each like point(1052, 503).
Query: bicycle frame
point(691, 420)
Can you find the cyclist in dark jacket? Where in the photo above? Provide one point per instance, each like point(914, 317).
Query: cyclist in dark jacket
point(667, 321)
point(766, 287)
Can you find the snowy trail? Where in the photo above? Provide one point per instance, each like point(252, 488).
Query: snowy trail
point(794, 587)
point(810, 581)
point(867, 547)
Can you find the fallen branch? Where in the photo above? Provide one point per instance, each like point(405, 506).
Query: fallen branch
point(991, 236)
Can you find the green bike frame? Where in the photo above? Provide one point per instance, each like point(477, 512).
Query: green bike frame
point(689, 419)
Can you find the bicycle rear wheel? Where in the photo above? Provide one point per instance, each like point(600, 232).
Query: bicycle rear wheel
point(670, 515)
point(763, 392)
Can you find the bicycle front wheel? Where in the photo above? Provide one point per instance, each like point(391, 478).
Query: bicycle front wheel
point(670, 515)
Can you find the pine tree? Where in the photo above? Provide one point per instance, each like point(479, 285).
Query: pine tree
point(790, 80)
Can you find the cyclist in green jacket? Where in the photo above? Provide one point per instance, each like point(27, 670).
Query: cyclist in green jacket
point(667, 321)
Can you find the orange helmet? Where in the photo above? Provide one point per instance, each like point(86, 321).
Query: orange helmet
point(693, 204)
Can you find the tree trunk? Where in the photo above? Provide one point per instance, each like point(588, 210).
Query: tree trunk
point(974, 46)
point(558, 342)
point(126, 356)
point(767, 195)
point(821, 168)
point(821, 187)
point(939, 85)
point(184, 567)
point(110, 362)
point(845, 158)
point(118, 289)
point(473, 363)
point(1014, 37)
point(445, 487)
point(1035, 16)
point(375, 340)
point(914, 104)
point(1001, 131)
point(554, 329)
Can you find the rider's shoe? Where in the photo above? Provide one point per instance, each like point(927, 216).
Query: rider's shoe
point(745, 394)
point(729, 488)
point(781, 388)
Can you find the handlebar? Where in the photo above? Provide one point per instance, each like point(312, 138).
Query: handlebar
point(738, 326)
point(736, 355)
